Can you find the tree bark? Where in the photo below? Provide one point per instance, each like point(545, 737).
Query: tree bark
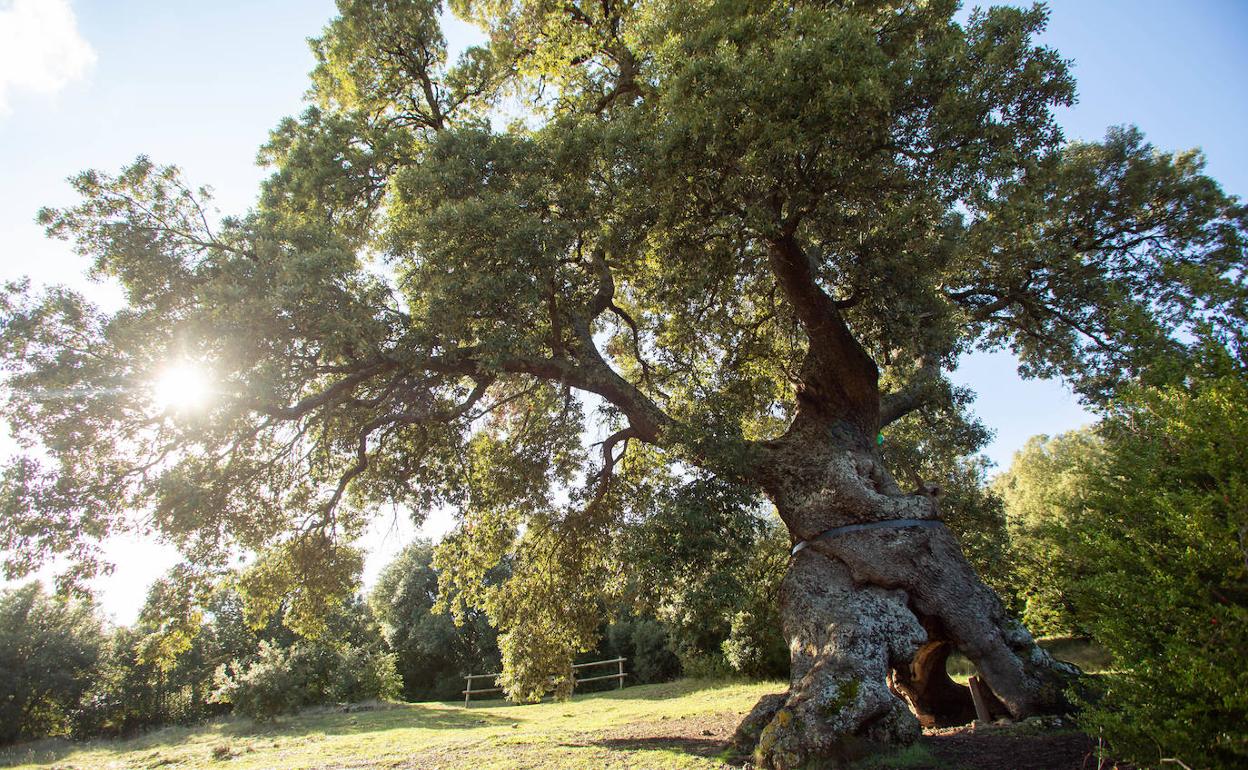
point(872, 614)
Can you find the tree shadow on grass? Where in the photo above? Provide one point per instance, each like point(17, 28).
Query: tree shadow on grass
point(706, 748)
point(323, 722)
point(701, 747)
point(679, 688)
point(382, 718)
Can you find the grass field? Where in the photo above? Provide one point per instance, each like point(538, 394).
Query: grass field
point(682, 725)
point(675, 725)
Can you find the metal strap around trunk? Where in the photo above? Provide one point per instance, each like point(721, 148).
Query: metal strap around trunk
point(889, 524)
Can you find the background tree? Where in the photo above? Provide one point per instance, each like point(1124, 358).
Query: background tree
point(1130, 531)
point(742, 237)
point(705, 558)
point(50, 648)
point(1042, 491)
point(432, 653)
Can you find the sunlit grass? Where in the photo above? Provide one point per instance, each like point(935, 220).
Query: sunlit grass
point(444, 735)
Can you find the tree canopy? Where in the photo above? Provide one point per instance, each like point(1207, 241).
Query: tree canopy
point(623, 242)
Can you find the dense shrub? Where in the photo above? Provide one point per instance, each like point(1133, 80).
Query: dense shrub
point(647, 646)
point(283, 680)
point(270, 685)
point(1163, 537)
point(365, 675)
point(130, 693)
point(754, 646)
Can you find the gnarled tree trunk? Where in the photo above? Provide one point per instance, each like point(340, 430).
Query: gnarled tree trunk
point(872, 613)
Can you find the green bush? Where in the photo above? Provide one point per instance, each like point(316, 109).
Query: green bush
point(1162, 538)
point(268, 686)
point(364, 675)
point(128, 694)
point(283, 680)
point(755, 646)
point(646, 644)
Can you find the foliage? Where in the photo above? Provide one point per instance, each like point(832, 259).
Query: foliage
point(64, 673)
point(266, 687)
point(275, 671)
point(432, 653)
point(646, 643)
point(715, 217)
point(130, 693)
point(755, 647)
point(1043, 490)
point(283, 680)
point(50, 648)
point(702, 556)
point(1163, 532)
point(364, 675)
point(165, 672)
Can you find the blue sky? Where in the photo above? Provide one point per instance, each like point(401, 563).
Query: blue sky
point(200, 85)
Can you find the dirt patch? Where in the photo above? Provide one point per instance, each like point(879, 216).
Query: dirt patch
point(982, 747)
point(703, 735)
point(1014, 747)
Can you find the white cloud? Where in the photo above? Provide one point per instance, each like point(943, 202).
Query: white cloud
point(40, 48)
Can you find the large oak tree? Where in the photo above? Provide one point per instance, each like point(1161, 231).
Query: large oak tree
point(736, 239)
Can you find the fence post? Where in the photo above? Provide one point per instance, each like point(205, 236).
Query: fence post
point(621, 662)
point(468, 690)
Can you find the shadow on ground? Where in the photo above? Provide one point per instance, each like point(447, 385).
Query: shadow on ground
point(381, 719)
point(701, 747)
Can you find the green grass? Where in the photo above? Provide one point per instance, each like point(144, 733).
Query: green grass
point(913, 756)
point(589, 731)
point(650, 726)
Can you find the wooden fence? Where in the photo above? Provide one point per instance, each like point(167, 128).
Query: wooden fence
point(469, 692)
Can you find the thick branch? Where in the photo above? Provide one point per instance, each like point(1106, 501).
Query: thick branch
point(839, 378)
point(924, 388)
point(339, 389)
point(589, 373)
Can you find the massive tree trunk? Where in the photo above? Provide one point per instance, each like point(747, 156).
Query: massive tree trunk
point(872, 612)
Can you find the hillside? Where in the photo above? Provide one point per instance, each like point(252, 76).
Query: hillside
point(684, 725)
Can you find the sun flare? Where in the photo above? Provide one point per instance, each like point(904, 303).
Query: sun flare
point(181, 387)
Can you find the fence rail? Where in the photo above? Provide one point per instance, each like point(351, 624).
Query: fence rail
point(469, 692)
